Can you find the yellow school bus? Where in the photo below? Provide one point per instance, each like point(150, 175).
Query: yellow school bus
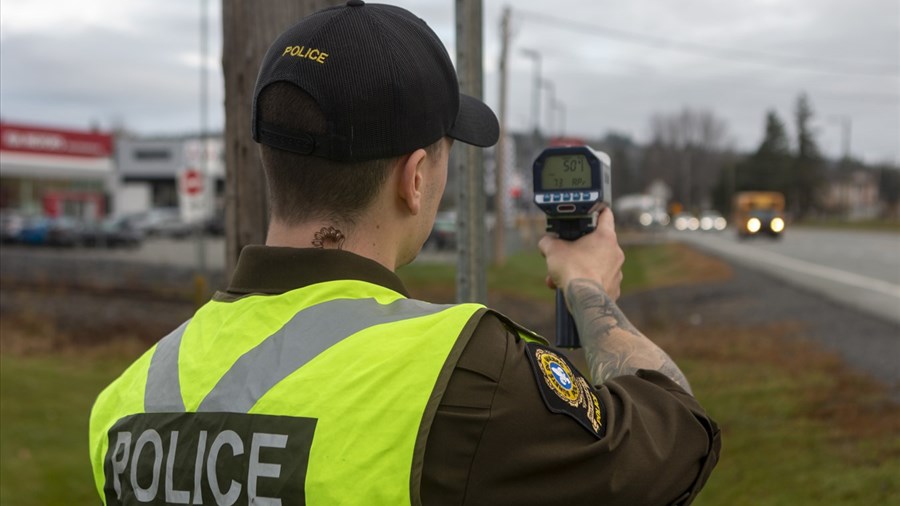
point(759, 213)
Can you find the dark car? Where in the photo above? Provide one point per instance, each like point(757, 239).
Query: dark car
point(11, 223)
point(112, 233)
point(443, 234)
point(44, 231)
point(215, 224)
point(162, 222)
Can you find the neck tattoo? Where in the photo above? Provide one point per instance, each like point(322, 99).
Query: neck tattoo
point(329, 237)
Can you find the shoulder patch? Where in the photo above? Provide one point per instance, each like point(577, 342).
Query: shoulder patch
point(565, 390)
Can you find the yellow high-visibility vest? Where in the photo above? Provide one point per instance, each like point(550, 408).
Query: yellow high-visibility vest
point(325, 393)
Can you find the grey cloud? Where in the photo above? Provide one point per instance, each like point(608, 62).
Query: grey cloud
point(607, 84)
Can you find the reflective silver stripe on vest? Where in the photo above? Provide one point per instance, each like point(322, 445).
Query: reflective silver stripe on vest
point(163, 391)
point(309, 333)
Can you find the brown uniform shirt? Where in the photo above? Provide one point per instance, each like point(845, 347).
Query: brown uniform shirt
point(496, 439)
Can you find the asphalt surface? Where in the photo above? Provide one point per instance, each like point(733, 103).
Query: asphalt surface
point(854, 268)
point(755, 299)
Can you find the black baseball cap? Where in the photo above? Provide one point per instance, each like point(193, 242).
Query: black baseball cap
point(381, 77)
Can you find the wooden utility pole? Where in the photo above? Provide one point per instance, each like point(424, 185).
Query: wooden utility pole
point(500, 156)
point(471, 272)
point(248, 28)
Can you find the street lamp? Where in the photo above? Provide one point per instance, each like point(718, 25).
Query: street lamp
point(846, 127)
point(536, 89)
point(561, 107)
point(556, 108)
point(551, 101)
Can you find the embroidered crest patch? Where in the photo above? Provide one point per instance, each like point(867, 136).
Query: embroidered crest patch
point(564, 390)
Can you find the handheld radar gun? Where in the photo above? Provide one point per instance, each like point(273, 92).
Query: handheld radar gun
point(572, 184)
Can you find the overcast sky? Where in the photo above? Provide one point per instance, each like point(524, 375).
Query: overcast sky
point(612, 64)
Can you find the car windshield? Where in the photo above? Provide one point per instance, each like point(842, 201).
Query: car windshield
point(763, 213)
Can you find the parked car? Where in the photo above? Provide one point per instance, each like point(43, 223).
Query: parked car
point(44, 231)
point(174, 227)
point(443, 233)
point(112, 233)
point(162, 221)
point(215, 224)
point(11, 223)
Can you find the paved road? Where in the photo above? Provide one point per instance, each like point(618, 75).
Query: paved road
point(754, 300)
point(858, 269)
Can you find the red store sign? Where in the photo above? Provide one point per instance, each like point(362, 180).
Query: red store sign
point(54, 141)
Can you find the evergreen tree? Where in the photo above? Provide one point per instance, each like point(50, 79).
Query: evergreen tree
point(768, 168)
point(807, 167)
point(889, 190)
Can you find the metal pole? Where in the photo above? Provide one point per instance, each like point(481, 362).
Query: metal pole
point(500, 156)
point(551, 104)
point(845, 131)
point(200, 289)
point(562, 118)
point(471, 275)
point(536, 90)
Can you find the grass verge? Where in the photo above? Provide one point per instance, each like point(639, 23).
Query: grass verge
point(44, 427)
point(798, 427)
point(646, 266)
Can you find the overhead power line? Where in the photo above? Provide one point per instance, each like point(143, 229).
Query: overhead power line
point(785, 62)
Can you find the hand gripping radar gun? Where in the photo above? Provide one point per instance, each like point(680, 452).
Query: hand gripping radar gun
point(572, 185)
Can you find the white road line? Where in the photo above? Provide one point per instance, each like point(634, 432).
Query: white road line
point(847, 278)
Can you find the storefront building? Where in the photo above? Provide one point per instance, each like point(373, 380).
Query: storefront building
point(55, 171)
point(156, 164)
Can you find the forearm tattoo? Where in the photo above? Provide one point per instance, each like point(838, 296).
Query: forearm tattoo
point(612, 345)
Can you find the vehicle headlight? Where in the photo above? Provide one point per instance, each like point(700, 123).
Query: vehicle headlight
point(693, 223)
point(646, 219)
point(753, 225)
point(720, 223)
point(680, 223)
point(777, 225)
point(706, 223)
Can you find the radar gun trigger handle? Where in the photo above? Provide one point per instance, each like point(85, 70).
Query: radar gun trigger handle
point(572, 184)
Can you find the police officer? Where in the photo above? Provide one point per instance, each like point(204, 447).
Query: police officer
point(315, 379)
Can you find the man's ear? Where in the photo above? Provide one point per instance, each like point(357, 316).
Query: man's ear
point(410, 182)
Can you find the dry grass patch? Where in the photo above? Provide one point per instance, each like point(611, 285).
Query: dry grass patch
point(799, 426)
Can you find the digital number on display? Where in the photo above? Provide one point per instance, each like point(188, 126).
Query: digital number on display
point(566, 171)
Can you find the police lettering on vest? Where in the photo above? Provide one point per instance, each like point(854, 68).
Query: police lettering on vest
point(248, 437)
point(207, 458)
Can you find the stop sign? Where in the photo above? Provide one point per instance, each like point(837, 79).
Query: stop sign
point(192, 182)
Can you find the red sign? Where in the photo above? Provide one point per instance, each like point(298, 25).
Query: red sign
point(566, 141)
point(92, 203)
point(192, 182)
point(55, 141)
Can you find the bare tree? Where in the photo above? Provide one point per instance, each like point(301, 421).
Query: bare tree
point(687, 151)
point(248, 28)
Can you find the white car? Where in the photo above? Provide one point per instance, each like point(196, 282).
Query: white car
point(686, 221)
point(712, 221)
